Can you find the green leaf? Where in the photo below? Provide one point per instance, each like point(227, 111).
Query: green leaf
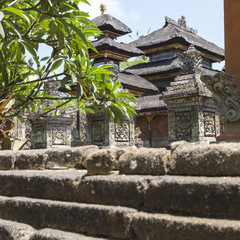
point(89, 110)
point(50, 3)
point(117, 114)
point(44, 59)
point(79, 33)
point(30, 48)
point(85, 1)
point(17, 12)
point(1, 15)
point(6, 143)
point(56, 64)
point(127, 96)
point(79, 90)
point(116, 85)
point(2, 32)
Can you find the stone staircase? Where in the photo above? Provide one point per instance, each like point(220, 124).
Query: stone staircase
point(71, 205)
point(68, 204)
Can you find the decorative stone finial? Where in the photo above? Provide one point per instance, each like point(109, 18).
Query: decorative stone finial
point(182, 22)
point(225, 94)
point(103, 8)
point(191, 62)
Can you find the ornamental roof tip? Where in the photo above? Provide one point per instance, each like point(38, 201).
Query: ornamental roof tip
point(180, 23)
point(103, 8)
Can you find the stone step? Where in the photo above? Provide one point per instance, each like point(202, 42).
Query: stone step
point(145, 226)
point(104, 221)
point(215, 197)
point(169, 227)
point(52, 234)
point(10, 230)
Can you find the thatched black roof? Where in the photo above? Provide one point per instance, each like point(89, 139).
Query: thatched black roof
point(162, 66)
point(130, 80)
point(110, 23)
point(150, 68)
point(107, 43)
point(150, 102)
point(172, 33)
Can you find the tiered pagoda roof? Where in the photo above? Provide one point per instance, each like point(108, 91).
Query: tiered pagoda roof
point(106, 45)
point(106, 22)
point(121, 50)
point(172, 65)
point(151, 103)
point(178, 35)
point(112, 51)
point(135, 82)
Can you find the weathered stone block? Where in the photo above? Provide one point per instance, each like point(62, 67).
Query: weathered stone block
point(117, 152)
point(144, 161)
point(68, 157)
point(52, 234)
point(15, 231)
point(109, 221)
point(99, 163)
point(214, 197)
point(30, 159)
point(162, 226)
point(75, 186)
point(206, 160)
point(6, 160)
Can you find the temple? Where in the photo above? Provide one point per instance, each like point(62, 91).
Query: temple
point(165, 76)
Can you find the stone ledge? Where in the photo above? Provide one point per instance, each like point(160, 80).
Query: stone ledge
point(98, 220)
point(44, 158)
point(221, 159)
point(144, 161)
point(163, 226)
point(20, 231)
point(217, 197)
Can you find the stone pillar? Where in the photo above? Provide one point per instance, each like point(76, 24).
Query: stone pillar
point(232, 38)
point(51, 133)
point(226, 86)
point(192, 115)
point(227, 98)
point(102, 133)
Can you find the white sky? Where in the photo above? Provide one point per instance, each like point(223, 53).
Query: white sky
point(207, 16)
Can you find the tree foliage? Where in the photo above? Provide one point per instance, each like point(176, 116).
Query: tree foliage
point(129, 63)
point(25, 25)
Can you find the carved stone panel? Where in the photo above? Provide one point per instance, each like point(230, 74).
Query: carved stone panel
point(51, 133)
point(122, 133)
point(38, 136)
point(183, 125)
point(209, 124)
point(98, 131)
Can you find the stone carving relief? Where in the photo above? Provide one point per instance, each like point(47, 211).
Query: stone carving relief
point(58, 136)
point(122, 132)
point(209, 124)
point(181, 23)
point(225, 94)
point(39, 136)
point(191, 62)
point(98, 131)
point(183, 126)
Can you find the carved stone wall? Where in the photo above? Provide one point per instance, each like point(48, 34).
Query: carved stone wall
point(103, 133)
point(193, 121)
point(192, 114)
point(51, 133)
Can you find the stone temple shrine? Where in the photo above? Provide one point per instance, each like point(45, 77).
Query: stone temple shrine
point(172, 101)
